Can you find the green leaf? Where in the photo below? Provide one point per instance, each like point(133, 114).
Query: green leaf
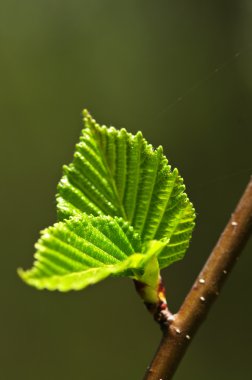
point(119, 174)
point(122, 212)
point(86, 249)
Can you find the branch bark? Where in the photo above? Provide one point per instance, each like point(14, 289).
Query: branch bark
point(181, 327)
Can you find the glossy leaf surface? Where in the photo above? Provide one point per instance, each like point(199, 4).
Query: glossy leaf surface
point(122, 212)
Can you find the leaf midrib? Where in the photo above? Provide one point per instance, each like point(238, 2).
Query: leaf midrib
point(112, 181)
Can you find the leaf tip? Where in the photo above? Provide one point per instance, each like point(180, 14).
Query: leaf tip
point(88, 119)
point(23, 274)
point(85, 113)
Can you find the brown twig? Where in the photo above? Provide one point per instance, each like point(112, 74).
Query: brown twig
point(183, 325)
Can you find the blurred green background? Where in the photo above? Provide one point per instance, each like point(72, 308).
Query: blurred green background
point(181, 71)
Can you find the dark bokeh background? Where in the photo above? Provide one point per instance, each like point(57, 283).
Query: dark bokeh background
point(181, 71)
